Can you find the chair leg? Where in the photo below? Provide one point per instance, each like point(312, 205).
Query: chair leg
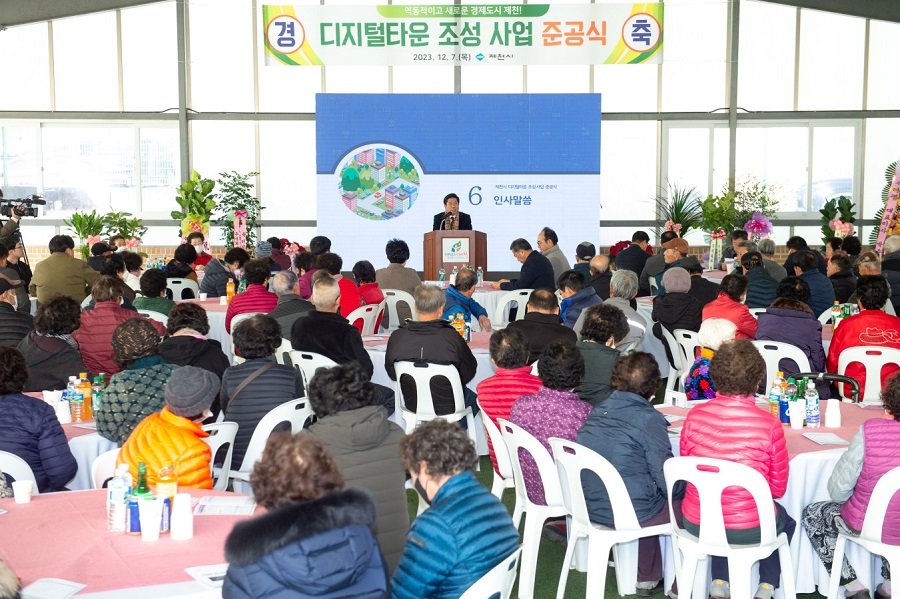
point(626, 557)
point(740, 579)
point(531, 544)
point(566, 566)
point(598, 560)
point(497, 486)
point(518, 510)
point(834, 584)
point(788, 584)
point(687, 573)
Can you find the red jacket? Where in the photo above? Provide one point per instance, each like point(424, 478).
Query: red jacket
point(725, 307)
point(371, 296)
point(256, 299)
point(202, 260)
point(94, 337)
point(350, 298)
point(869, 327)
point(733, 428)
point(498, 393)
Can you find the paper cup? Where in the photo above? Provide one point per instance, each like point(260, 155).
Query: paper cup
point(150, 513)
point(797, 412)
point(22, 490)
point(223, 300)
point(182, 527)
point(203, 297)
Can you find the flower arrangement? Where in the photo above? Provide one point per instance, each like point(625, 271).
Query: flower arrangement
point(840, 228)
point(892, 227)
point(674, 227)
point(680, 208)
point(291, 248)
point(132, 244)
point(197, 201)
point(88, 227)
point(758, 226)
point(838, 216)
point(238, 209)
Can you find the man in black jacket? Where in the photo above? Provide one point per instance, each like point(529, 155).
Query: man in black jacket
point(635, 256)
point(14, 326)
point(536, 272)
point(290, 305)
point(600, 276)
point(705, 291)
point(541, 325)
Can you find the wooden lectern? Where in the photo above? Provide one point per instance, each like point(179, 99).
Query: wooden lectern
point(453, 248)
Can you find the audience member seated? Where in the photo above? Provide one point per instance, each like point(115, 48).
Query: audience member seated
point(100, 251)
point(366, 447)
point(314, 539)
point(114, 266)
point(139, 389)
point(50, 350)
point(634, 438)
point(548, 244)
point(396, 275)
point(584, 253)
point(635, 256)
point(743, 248)
point(654, 264)
point(599, 276)
point(290, 305)
point(174, 436)
point(98, 324)
point(459, 300)
point(14, 325)
point(448, 549)
point(431, 339)
point(730, 306)
point(761, 287)
point(873, 452)
point(731, 427)
point(153, 293)
point(181, 266)
point(832, 245)
point(577, 297)
point(278, 256)
point(702, 289)
point(62, 273)
point(218, 272)
point(676, 252)
point(12, 274)
point(188, 344)
point(511, 380)
point(369, 291)
point(605, 326)
point(324, 331)
point(890, 267)
point(29, 428)
point(737, 237)
point(257, 297)
point(840, 273)
point(623, 288)
point(851, 246)
point(767, 249)
point(263, 251)
point(318, 245)
point(821, 291)
point(554, 411)
point(350, 298)
point(795, 245)
point(536, 271)
point(267, 386)
point(870, 327)
point(541, 325)
point(677, 309)
point(134, 264)
point(304, 262)
point(197, 240)
point(698, 383)
point(117, 242)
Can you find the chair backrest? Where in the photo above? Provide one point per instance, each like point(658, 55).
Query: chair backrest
point(518, 297)
point(179, 289)
point(86, 302)
point(421, 374)
point(283, 351)
point(774, 352)
point(675, 349)
point(365, 316)
point(504, 464)
point(295, 411)
point(534, 368)
point(221, 434)
point(154, 315)
point(688, 341)
point(392, 297)
point(672, 398)
point(873, 359)
point(711, 476)
point(518, 438)
point(755, 312)
point(825, 317)
point(17, 468)
point(307, 362)
point(571, 460)
point(238, 318)
point(103, 467)
point(498, 582)
point(654, 286)
point(882, 494)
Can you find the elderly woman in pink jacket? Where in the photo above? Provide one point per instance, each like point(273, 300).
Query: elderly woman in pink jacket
point(731, 427)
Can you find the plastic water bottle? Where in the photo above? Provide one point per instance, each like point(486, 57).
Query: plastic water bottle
point(790, 393)
point(442, 275)
point(116, 499)
point(97, 395)
point(812, 406)
point(453, 275)
point(836, 313)
point(480, 274)
point(776, 393)
point(76, 400)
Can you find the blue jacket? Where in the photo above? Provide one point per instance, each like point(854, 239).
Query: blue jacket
point(456, 303)
point(321, 548)
point(761, 288)
point(30, 430)
point(628, 431)
point(571, 307)
point(448, 549)
point(821, 291)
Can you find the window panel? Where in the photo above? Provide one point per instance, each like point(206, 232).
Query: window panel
point(85, 64)
point(883, 38)
point(355, 79)
point(558, 79)
point(25, 56)
point(776, 156)
point(287, 167)
point(688, 156)
point(627, 88)
point(830, 44)
point(221, 53)
point(288, 89)
point(222, 146)
point(20, 169)
point(766, 56)
point(833, 154)
point(414, 79)
point(492, 79)
point(628, 170)
point(149, 45)
point(881, 150)
point(160, 164)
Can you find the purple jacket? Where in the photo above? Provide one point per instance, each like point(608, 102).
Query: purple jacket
point(881, 455)
point(797, 328)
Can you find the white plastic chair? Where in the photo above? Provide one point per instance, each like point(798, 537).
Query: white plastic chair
point(104, 467)
point(688, 341)
point(503, 473)
point(775, 351)
point(295, 411)
point(571, 460)
point(154, 315)
point(711, 476)
point(392, 297)
point(498, 582)
point(236, 359)
point(220, 434)
point(501, 312)
point(283, 351)
point(534, 368)
point(870, 536)
point(872, 358)
point(654, 286)
point(175, 289)
point(825, 317)
point(421, 374)
point(307, 362)
point(676, 366)
point(672, 398)
point(755, 312)
point(535, 515)
point(17, 468)
point(366, 314)
point(86, 302)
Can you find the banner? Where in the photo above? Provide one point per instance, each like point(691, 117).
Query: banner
point(890, 209)
point(454, 34)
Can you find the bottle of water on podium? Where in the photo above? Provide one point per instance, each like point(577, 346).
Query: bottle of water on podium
point(812, 406)
point(480, 274)
point(442, 275)
point(453, 275)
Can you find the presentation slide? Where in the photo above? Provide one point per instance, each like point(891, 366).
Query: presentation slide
point(518, 163)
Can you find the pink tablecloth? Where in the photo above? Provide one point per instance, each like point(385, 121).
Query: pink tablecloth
point(63, 535)
point(481, 341)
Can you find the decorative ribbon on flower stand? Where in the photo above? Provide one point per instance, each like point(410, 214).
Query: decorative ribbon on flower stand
point(890, 209)
point(240, 229)
point(716, 242)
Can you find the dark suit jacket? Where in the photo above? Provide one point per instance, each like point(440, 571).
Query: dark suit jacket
point(541, 330)
point(703, 290)
point(536, 273)
point(465, 221)
point(332, 336)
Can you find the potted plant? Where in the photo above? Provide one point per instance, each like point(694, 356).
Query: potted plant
point(719, 218)
point(87, 226)
point(679, 207)
point(752, 195)
point(197, 201)
point(838, 216)
point(126, 225)
point(238, 209)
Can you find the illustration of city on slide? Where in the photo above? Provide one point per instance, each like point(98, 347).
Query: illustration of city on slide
point(378, 182)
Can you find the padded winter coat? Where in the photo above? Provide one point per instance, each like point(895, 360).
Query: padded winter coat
point(256, 299)
point(94, 336)
point(14, 325)
point(761, 288)
point(50, 360)
point(132, 395)
point(738, 313)
point(731, 427)
point(162, 439)
point(215, 278)
point(498, 393)
point(319, 548)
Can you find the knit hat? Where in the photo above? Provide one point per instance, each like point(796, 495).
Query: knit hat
point(135, 338)
point(676, 280)
point(680, 244)
point(191, 390)
point(585, 250)
point(263, 249)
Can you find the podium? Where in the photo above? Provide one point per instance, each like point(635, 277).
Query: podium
point(453, 248)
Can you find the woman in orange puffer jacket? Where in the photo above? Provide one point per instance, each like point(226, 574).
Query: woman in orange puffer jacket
point(731, 427)
point(174, 437)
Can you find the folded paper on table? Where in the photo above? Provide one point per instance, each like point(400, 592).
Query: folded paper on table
point(51, 588)
point(212, 575)
point(825, 439)
point(217, 505)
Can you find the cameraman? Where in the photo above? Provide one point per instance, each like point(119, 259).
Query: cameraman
point(9, 233)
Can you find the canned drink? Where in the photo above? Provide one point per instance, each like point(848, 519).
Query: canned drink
point(166, 522)
point(783, 411)
point(468, 332)
point(132, 517)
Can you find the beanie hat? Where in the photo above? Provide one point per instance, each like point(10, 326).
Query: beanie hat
point(135, 338)
point(100, 248)
point(263, 249)
point(191, 390)
point(676, 280)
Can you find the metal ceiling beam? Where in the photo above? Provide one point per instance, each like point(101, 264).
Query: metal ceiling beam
point(21, 12)
point(883, 10)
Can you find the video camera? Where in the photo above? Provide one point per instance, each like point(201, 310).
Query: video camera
point(21, 206)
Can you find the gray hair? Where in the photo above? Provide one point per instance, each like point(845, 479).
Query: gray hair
point(325, 292)
point(892, 244)
point(283, 282)
point(750, 246)
point(429, 298)
point(766, 247)
point(624, 283)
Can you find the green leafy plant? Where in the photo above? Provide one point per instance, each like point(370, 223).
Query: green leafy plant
point(719, 213)
point(841, 208)
point(888, 177)
point(679, 206)
point(124, 224)
point(235, 193)
point(752, 195)
point(196, 199)
point(85, 225)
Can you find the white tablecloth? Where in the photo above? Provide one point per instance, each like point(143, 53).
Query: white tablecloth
point(86, 448)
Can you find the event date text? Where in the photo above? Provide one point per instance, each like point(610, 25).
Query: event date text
point(441, 57)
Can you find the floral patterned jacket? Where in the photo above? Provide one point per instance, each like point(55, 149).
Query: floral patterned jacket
point(698, 384)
